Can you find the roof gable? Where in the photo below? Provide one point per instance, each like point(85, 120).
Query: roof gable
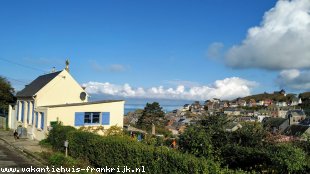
point(296, 130)
point(37, 84)
point(273, 122)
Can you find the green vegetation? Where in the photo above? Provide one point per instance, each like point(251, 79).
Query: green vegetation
point(152, 114)
point(6, 94)
point(247, 148)
point(58, 136)
point(114, 151)
point(305, 97)
point(274, 97)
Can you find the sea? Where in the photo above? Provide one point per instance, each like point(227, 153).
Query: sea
point(132, 104)
point(165, 108)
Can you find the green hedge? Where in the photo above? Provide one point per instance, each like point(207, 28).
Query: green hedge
point(120, 151)
point(114, 151)
point(58, 135)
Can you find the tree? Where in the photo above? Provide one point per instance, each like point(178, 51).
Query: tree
point(6, 94)
point(197, 141)
point(286, 158)
point(152, 114)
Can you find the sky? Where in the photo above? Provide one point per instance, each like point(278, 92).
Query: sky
point(160, 49)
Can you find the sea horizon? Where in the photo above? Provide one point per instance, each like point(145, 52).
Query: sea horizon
point(134, 107)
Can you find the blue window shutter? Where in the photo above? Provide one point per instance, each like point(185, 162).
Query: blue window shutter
point(28, 112)
point(79, 119)
point(42, 120)
point(37, 119)
point(32, 120)
point(22, 114)
point(105, 118)
point(17, 110)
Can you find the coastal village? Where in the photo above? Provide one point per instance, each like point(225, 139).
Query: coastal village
point(284, 116)
point(157, 87)
point(54, 109)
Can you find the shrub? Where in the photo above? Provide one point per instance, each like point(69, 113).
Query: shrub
point(118, 151)
point(45, 143)
point(59, 159)
point(58, 135)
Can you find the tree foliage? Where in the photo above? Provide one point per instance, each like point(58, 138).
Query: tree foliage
point(245, 149)
point(116, 151)
point(6, 93)
point(197, 141)
point(152, 114)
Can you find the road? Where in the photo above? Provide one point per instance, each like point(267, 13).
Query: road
point(12, 158)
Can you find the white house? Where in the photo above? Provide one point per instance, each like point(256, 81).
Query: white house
point(57, 97)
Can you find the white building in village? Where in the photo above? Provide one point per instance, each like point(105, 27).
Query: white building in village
point(57, 97)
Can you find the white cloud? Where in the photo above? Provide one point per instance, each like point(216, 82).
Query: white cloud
point(96, 66)
point(294, 79)
point(215, 50)
point(110, 68)
point(117, 68)
point(184, 83)
point(282, 40)
point(228, 88)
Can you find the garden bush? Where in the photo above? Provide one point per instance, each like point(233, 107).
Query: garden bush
point(58, 135)
point(119, 151)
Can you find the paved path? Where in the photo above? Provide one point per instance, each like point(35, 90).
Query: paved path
point(21, 153)
point(12, 158)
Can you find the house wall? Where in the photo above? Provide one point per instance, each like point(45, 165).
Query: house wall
point(284, 125)
point(11, 114)
point(22, 109)
point(282, 113)
point(34, 131)
point(61, 90)
point(66, 115)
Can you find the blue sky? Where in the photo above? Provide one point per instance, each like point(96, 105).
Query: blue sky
point(177, 49)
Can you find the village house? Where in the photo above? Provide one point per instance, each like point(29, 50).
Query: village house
point(57, 97)
point(281, 103)
point(232, 111)
point(295, 116)
point(241, 102)
point(232, 126)
point(224, 104)
point(260, 103)
point(299, 132)
point(275, 125)
point(268, 102)
point(251, 103)
point(186, 107)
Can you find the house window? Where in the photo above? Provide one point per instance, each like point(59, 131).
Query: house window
point(28, 112)
point(42, 120)
point(91, 117)
point(32, 120)
point(37, 119)
point(96, 117)
point(87, 117)
point(82, 118)
point(17, 115)
point(22, 111)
